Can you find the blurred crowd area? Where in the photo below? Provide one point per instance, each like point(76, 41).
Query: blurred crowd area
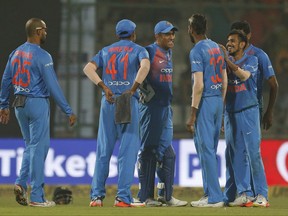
point(88, 25)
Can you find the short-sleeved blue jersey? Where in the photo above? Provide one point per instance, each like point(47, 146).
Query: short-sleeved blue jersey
point(242, 94)
point(160, 74)
point(265, 69)
point(120, 62)
point(207, 57)
point(31, 72)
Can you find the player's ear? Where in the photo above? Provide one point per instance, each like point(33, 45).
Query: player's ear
point(38, 32)
point(242, 44)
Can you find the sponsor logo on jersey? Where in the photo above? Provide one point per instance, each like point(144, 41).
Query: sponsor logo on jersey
point(118, 83)
point(166, 70)
point(216, 86)
point(21, 89)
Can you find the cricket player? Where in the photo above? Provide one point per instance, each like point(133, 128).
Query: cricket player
point(156, 124)
point(29, 71)
point(125, 65)
point(242, 125)
point(208, 93)
point(265, 71)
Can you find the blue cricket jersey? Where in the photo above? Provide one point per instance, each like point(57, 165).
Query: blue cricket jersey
point(120, 63)
point(160, 74)
point(242, 94)
point(31, 73)
point(265, 69)
point(207, 57)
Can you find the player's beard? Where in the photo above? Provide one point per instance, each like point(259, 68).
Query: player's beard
point(42, 39)
point(233, 53)
point(192, 39)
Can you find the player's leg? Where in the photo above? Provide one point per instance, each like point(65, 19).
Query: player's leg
point(207, 130)
point(105, 144)
point(166, 162)
point(146, 174)
point(235, 154)
point(128, 150)
point(240, 162)
point(20, 188)
point(230, 189)
point(252, 138)
point(150, 131)
point(165, 172)
point(166, 155)
point(39, 116)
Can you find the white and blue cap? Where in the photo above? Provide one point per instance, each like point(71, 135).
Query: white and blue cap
point(164, 27)
point(125, 28)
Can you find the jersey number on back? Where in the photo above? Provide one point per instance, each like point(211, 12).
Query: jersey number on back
point(21, 69)
point(214, 62)
point(110, 69)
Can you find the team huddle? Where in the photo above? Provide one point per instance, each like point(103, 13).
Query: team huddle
point(136, 85)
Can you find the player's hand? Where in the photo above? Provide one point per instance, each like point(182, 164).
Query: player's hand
point(222, 126)
point(4, 116)
point(72, 119)
point(191, 121)
point(109, 95)
point(267, 120)
point(129, 91)
point(224, 50)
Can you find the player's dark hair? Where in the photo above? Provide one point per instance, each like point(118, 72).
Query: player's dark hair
point(31, 26)
point(242, 37)
point(198, 23)
point(241, 25)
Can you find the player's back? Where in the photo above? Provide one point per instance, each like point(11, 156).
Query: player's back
point(265, 69)
point(206, 57)
point(26, 64)
point(120, 64)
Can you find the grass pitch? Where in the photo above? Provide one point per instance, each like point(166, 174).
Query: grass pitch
point(80, 206)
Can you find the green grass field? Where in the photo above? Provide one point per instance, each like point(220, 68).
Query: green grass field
point(80, 205)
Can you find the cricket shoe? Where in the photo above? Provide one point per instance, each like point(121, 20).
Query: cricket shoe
point(119, 203)
point(173, 202)
point(45, 204)
point(203, 203)
point(96, 202)
point(137, 203)
point(242, 201)
point(261, 201)
point(152, 203)
point(21, 195)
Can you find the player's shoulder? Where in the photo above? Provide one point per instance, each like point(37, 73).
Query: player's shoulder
point(251, 58)
point(43, 54)
point(253, 50)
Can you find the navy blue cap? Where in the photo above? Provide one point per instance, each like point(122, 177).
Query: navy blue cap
point(125, 28)
point(164, 27)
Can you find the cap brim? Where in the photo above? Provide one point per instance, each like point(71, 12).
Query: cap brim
point(171, 28)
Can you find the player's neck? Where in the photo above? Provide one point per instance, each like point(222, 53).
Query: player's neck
point(33, 40)
point(239, 55)
point(199, 38)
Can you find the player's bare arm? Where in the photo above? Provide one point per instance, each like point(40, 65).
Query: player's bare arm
point(197, 91)
point(268, 115)
point(141, 74)
point(90, 71)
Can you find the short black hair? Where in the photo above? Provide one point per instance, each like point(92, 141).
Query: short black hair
point(198, 23)
point(241, 25)
point(241, 35)
point(31, 26)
